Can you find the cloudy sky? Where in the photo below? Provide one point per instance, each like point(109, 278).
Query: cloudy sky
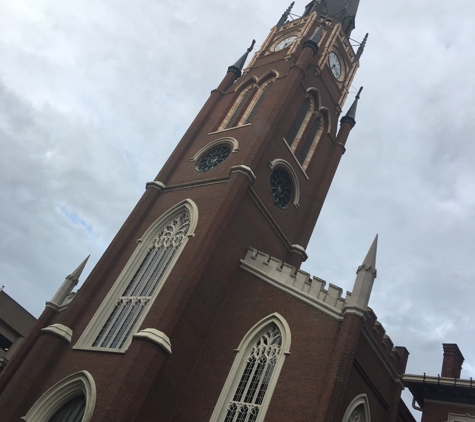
point(94, 96)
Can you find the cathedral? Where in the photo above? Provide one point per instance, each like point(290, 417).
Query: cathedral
point(198, 309)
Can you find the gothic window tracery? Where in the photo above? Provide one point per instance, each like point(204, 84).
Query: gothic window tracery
point(253, 376)
point(248, 102)
point(213, 158)
point(281, 187)
point(358, 410)
point(118, 318)
point(148, 277)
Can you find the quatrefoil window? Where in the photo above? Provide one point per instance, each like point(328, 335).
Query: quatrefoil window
point(213, 158)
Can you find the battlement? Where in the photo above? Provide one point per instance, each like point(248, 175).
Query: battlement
point(329, 300)
point(300, 283)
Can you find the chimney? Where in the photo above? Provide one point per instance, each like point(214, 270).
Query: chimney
point(453, 359)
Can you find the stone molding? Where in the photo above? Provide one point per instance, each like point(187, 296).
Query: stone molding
point(59, 330)
point(60, 393)
point(156, 337)
point(295, 282)
point(291, 247)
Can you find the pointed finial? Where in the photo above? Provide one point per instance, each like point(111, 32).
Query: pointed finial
point(239, 65)
point(357, 301)
point(284, 17)
point(360, 50)
point(77, 272)
point(350, 116)
point(313, 41)
point(369, 263)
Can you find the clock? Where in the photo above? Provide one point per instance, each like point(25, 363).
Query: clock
point(285, 43)
point(335, 65)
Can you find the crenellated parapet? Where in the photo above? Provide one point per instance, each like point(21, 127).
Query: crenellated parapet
point(327, 298)
point(396, 355)
point(296, 282)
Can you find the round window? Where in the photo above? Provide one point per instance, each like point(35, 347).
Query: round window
point(281, 187)
point(213, 158)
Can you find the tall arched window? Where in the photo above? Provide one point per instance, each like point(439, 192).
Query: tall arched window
point(126, 305)
point(310, 142)
point(358, 410)
point(72, 399)
point(252, 94)
point(256, 103)
point(253, 376)
point(300, 122)
point(235, 113)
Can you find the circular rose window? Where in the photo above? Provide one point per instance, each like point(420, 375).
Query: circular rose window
point(213, 158)
point(281, 187)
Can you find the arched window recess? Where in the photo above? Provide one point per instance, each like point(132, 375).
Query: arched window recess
point(251, 95)
point(252, 379)
point(358, 410)
point(124, 308)
point(72, 399)
point(307, 127)
point(231, 142)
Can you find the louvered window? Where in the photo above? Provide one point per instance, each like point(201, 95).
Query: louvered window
point(262, 94)
point(148, 277)
point(299, 120)
point(309, 140)
point(238, 107)
point(255, 376)
point(72, 411)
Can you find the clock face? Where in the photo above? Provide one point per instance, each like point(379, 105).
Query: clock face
point(335, 65)
point(285, 43)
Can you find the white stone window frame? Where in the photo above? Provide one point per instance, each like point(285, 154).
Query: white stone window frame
point(360, 400)
point(258, 85)
point(242, 352)
point(103, 312)
point(279, 162)
point(231, 142)
point(80, 383)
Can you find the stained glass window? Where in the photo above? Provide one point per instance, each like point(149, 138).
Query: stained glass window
point(72, 411)
point(281, 187)
point(255, 377)
point(213, 158)
point(148, 277)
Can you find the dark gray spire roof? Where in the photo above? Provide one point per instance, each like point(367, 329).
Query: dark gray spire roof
point(343, 11)
point(351, 114)
point(360, 49)
point(239, 65)
point(284, 17)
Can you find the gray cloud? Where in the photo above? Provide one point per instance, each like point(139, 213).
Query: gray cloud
point(95, 95)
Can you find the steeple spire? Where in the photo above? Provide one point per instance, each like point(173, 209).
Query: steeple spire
point(239, 65)
point(350, 116)
point(68, 285)
point(365, 276)
point(343, 11)
point(361, 49)
point(285, 15)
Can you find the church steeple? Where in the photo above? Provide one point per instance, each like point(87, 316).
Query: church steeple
point(343, 11)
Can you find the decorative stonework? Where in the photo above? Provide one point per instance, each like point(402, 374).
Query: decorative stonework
point(296, 282)
point(60, 330)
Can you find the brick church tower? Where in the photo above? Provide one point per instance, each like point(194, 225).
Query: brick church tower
point(197, 311)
